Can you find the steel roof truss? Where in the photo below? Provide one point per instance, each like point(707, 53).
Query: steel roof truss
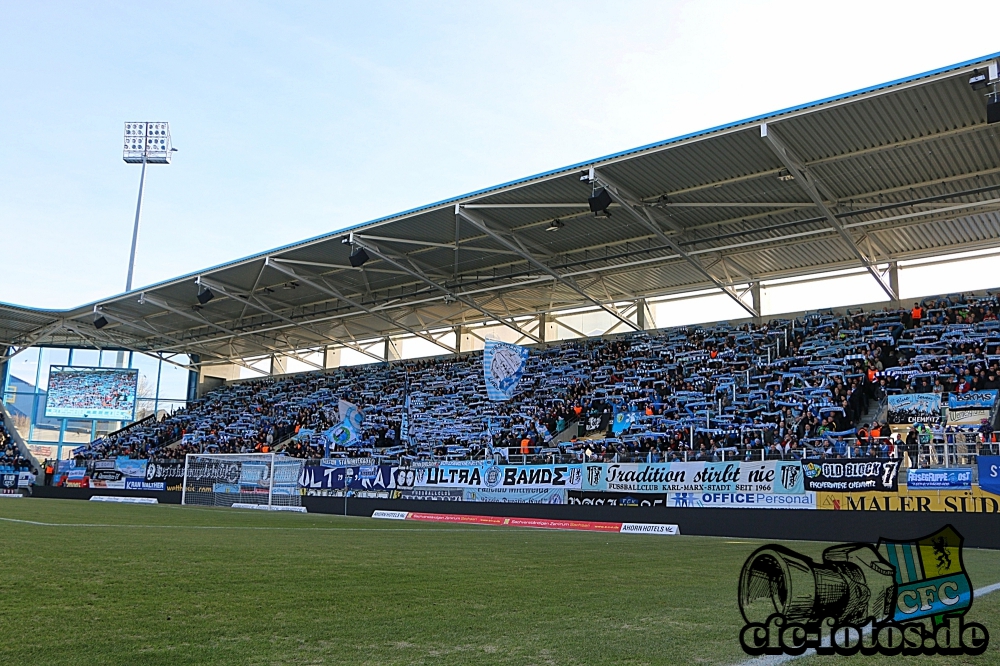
point(645, 217)
point(816, 191)
point(401, 263)
point(513, 243)
point(321, 285)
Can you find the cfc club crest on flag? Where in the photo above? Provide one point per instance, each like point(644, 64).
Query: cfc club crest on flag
point(503, 367)
point(930, 576)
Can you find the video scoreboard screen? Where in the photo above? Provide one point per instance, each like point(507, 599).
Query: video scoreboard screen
point(92, 393)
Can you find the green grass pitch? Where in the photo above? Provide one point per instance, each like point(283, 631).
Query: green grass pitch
point(88, 583)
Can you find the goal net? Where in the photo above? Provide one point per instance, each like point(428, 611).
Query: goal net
point(225, 479)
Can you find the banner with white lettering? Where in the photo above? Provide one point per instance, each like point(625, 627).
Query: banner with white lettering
point(773, 476)
point(973, 399)
point(499, 476)
point(989, 474)
point(853, 474)
point(914, 408)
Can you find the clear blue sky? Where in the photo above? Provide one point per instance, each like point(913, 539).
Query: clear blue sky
point(297, 119)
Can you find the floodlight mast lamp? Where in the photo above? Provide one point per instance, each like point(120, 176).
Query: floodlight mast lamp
point(145, 143)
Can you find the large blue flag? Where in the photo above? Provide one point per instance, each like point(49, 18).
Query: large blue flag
point(503, 366)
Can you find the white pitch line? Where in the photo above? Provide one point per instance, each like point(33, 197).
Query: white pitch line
point(775, 659)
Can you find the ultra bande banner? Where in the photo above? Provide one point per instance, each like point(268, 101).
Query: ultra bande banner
point(499, 476)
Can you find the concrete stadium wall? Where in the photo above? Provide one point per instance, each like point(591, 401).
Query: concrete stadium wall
point(54, 492)
point(979, 529)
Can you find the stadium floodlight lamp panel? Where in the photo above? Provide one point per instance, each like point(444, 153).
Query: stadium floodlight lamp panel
point(147, 141)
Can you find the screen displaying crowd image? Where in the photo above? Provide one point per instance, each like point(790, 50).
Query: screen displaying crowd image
point(91, 393)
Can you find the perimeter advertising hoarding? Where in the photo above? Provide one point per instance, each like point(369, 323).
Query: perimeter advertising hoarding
point(974, 500)
point(806, 500)
point(773, 476)
point(91, 393)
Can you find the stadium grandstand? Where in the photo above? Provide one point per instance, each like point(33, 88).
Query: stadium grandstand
point(727, 399)
point(593, 266)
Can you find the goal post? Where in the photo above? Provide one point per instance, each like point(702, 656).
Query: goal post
point(225, 479)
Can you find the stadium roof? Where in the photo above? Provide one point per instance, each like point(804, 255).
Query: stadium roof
point(902, 170)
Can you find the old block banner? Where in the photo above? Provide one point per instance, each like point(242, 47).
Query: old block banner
point(851, 474)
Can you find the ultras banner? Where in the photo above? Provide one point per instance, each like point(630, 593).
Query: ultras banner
point(914, 408)
point(107, 478)
point(377, 477)
point(773, 476)
point(940, 479)
point(8, 482)
point(973, 399)
point(539, 477)
point(159, 476)
point(851, 475)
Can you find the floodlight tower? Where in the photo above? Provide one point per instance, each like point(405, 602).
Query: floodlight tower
point(145, 143)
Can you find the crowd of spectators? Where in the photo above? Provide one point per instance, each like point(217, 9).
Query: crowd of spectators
point(787, 389)
point(11, 459)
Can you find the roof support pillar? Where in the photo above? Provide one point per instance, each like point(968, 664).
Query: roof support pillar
point(755, 294)
point(894, 281)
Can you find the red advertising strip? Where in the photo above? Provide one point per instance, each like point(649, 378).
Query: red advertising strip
point(543, 523)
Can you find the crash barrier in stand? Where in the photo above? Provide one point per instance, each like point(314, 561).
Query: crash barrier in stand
point(124, 500)
point(271, 507)
point(537, 523)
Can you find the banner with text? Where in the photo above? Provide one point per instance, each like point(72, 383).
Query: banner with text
point(773, 476)
point(914, 408)
point(851, 475)
point(498, 476)
point(989, 474)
